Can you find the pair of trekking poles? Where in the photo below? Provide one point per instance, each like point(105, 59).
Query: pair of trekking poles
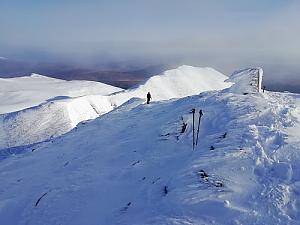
point(199, 122)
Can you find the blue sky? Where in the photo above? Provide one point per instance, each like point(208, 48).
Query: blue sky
point(220, 33)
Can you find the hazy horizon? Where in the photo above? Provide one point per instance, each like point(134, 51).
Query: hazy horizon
point(226, 35)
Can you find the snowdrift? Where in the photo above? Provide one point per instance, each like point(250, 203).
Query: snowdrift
point(25, 92)
point(246, 81)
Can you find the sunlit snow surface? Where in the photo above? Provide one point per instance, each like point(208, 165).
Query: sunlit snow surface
point(64, 110)
point(134, 165)
point(24, 92)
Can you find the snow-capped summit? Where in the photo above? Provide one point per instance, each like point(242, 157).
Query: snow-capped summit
point(184, 81)
point(176, 83)
point(72, 101)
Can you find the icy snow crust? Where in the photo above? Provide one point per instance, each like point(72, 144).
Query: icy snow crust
point(134, 166)
point(62, 113)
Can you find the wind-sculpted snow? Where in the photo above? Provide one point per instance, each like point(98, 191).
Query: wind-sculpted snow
point(49, 120)
point(60, 114)
point(25, 92)
point(246, 81)
point(55, 107)
point(177, 83)
point(135, 165)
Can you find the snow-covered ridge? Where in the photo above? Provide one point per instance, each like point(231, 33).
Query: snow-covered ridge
point(59, 116)
point(184, 81)
point(25, 92)
point(46, 108)
point(176, 83)
point(50, 119)
point(135, 165)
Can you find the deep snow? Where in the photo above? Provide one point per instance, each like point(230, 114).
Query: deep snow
point(60, 114)
point(133, 165)
point(49, 120)
point(176, 83)
point(246, 81)
point(24, 92)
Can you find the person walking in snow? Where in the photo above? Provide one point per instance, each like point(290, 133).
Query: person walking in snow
point(148, 97)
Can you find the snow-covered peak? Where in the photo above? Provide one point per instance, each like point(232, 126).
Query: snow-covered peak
point(67, 108)
point(184, 81)
point(24, 92)
point(177, 83)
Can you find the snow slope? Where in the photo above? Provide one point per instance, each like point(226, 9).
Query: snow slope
point(24, 92)
point(49, 120)
point(176, 83)
point(61, 114)
point(134, 165)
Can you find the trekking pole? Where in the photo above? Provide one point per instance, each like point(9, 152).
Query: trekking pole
point(193, 111)
point(200, 115)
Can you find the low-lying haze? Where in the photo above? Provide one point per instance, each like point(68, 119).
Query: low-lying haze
point(224, 34)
